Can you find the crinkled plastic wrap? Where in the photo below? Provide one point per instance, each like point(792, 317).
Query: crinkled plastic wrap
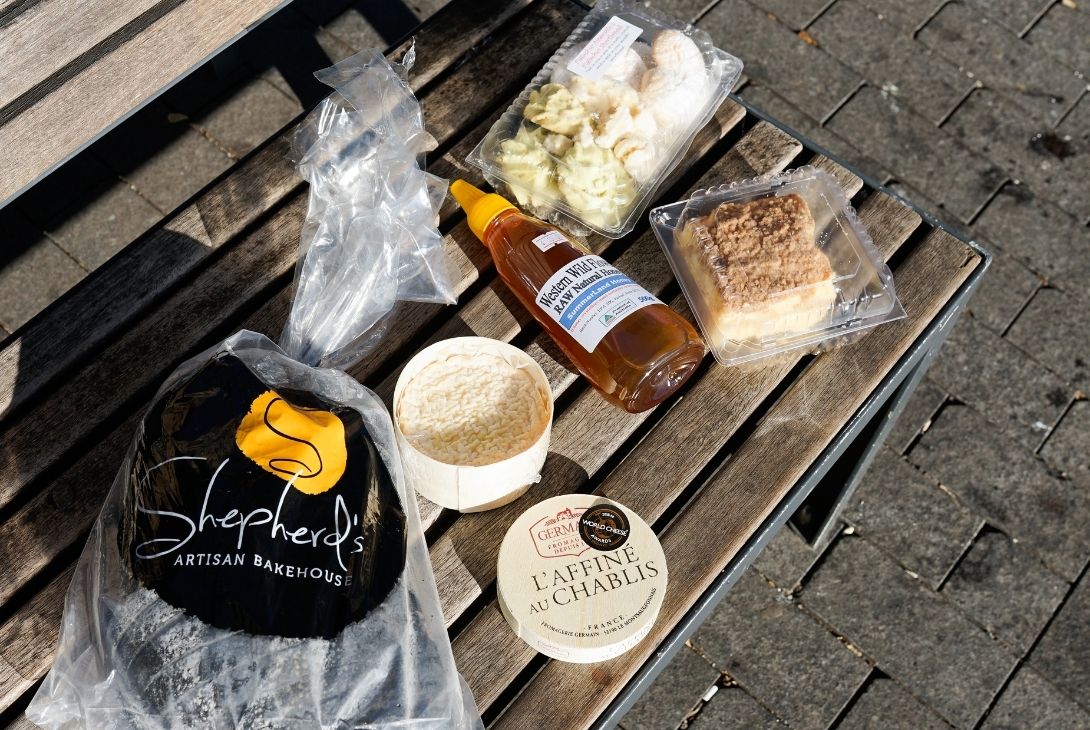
point(259, 562)
point(373, 209)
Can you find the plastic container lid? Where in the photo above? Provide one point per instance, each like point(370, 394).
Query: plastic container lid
point(604, 122)
point(510, 411)
point(774, 264)
point(580, 578)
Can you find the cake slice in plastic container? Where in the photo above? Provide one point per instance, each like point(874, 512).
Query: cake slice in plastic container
point(774, 264)
point(606, 120)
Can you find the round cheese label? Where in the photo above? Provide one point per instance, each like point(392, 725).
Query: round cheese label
point(581, 578)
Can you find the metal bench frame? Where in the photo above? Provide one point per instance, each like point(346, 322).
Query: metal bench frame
point(876, 417)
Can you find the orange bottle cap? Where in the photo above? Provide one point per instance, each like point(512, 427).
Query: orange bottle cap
point(480, 207)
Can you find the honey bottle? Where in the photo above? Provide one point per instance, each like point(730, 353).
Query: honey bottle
point(633, 349)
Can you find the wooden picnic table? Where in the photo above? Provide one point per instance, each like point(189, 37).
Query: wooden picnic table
point(716, 469)
point(73, 70)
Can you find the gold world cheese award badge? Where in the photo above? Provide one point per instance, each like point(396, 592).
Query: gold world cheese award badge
point(261, 510)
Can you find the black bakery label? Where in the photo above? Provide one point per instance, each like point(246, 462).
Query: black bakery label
point(259, 509)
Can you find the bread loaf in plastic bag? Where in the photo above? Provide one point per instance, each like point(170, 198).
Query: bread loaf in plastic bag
point(259, 561)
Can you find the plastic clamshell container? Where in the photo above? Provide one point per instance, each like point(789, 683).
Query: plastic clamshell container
point(607, 20)
point(861, 295)
point(473, 488)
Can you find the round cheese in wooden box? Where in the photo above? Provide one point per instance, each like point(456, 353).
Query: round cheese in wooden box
point(581, 578)
point(472, 418)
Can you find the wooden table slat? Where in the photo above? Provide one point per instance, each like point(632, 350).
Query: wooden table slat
point(21, 723)
point(48, 36)
point(12, 684)
point(98, 307)
point(848, 181)
point(96, 97)
point(802, 422)
point(30, 637)
point(713, 409)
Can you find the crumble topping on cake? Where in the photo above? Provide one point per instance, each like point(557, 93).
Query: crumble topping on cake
point(759, 267)
point(756, 249)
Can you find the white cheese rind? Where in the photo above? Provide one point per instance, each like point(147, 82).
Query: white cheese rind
point(451, 395)
point(471, 410)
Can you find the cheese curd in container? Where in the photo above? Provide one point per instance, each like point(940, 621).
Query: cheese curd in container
point(774, 264)
point(607, 119)
point(472, 418)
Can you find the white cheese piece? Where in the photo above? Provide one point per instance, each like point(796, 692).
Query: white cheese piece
point(527, 167)
point(595, 184)
point(473, 418)
point(603, 96)
point(554, 108)
point(638, 155)
point(677, 52)
point(613, 126)
point(627, 69)
point(673, 98)
point(580, 578)
point(557, 144)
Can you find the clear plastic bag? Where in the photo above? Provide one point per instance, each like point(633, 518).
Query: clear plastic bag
point(259, 561)
point(372, 213)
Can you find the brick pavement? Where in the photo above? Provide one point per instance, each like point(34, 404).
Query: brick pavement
point(956, 595)
point(959, 583)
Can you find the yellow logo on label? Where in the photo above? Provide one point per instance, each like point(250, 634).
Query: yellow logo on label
point(304, 446)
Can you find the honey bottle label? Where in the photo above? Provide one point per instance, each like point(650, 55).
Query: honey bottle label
point(589, 297)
